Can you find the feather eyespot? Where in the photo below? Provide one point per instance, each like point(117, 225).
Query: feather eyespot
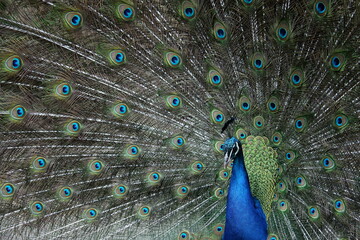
point(39, 164)
point(290, 155)
point(321, 7)
point(300, 182)
point(283, 205)
point(220, 33)
point(259, 122)
point(182, 191)
point(273, 104)
point(218, 229)
point(37, 207)
point(132, 152)
point(247, 3)
point(215, 78)
point(90, 214)
point(7, 190)
point(172, 59)
point(173, 101)
point(154, 178)
point(241, 134)
point(120, 110)
point(188, 10)
point(300, 124)
point(120, 191)
point(328, 163)
point(337, 61)
point(219, 193)
point(314, 213)
point(96, 166)
point(178, 142)
point(276, 138)
point(339, 206)
point(281, 186)
point(65, 193)
point(244, 104)
point(341, 121)
point(297, 78)
point(258, 61)
point(73, 20)
point(73, 127)
point(217, 116)
point(197, 167)
point(224, 175)
point(126, 12)
point(18, 112)
point(219, 146)
point(63, 90)
point(13, 63)
point(144, 211)
point(117, 57)
point(272, 237)
point(184, 235)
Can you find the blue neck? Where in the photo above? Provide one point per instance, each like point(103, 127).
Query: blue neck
point(244, 217)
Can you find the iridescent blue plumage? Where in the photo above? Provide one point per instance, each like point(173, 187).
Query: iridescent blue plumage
point(245, 218)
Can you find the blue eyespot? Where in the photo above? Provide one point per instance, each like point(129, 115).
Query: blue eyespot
point(299, 180)
point(189, 12)
point(97, 165)
point(128, 12)
point(66, 89)
point(216, 79)
point(119, 57)
point(276, 139)
point(92, 213)
point(175, 60)
point(248, 1)
point(134, 150)
point(184, 189)
point(199, 166)
point(75, 126)
point(176, 101)
point(335, 62)
point(20, 111)
point(155, 176)
point(259, 124)
point(122, 109)
point(258, 63)
point(282, 204)
point(145, 210)
point(219, 229)
point(282, 32)
point(41, 162)
point(180, 141)
point(299, 124)
point(326, 162)
point(16, 63)
point(296, 79)
point(121, 189)
point(245, 106)
point(222, 147)
point(219, 117)
point(38, 207)
point(320, 7)
point(67, 191)
point(272, 106)
point(242, 135)
point(221, 33)
point(184, 235)
point(288, 156)
point(75, 20)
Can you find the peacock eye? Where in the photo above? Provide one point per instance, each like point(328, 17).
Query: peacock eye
point(173, 59)
point(328, 163)
point(144, 211)
point(173, 101)
point(214, 78)
point(339, 206)
point(37, 207)
point(217, 116)
point(219, 31)
point(341, 121)
point(300, 124)
point(188, 10)
point(18, 112)
point(13, 63)
point(259, 122)
point(273, 104)
point(283, 205)
point(218, 229)
point(96, 166)
point(117, 57)
point(126, 12)
point(7, 190)
point(313, 213)
point(73, 20)
point(182, 191)
point(258, 61)
point(90, 214)
point(120, 110)
point(297, 78)
point(120, 191)
point(244, 103)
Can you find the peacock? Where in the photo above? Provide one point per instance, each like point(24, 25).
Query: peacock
point(179, 119)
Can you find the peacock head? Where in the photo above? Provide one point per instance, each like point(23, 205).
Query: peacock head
point(232, 147)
